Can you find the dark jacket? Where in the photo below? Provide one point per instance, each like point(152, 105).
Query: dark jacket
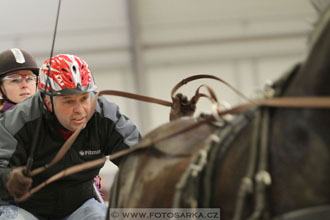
point(108, 131)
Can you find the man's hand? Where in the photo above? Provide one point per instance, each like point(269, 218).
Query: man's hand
point(17, 183)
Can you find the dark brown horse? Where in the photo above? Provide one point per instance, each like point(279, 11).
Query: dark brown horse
point(265, 163)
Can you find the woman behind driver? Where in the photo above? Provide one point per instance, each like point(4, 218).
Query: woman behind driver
point(18, 77)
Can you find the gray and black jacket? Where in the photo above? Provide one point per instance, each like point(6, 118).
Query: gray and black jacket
point(108, 131)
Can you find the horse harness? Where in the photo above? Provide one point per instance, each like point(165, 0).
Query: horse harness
point(257, 167)
point(193, 190)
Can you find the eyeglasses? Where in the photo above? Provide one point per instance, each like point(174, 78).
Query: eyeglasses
point(17, 79)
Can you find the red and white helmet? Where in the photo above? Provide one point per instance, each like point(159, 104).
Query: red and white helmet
point(68, 75)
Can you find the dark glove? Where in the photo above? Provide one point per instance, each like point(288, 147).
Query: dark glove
point(18, 184)
point(182, 107)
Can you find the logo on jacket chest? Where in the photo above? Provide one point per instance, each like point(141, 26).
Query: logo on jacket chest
point(89, 152)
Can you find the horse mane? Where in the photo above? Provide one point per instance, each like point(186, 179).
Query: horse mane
point(320, 5)
point(321, 8)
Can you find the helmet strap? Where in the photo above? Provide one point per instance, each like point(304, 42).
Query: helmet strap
point(52, 103)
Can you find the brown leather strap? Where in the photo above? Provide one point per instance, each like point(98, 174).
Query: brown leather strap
point(296, 102)
point(213, 98)
point(63, 173)
point(136, 96)
point(285, 102)
point(205, 76)
point(60, 154)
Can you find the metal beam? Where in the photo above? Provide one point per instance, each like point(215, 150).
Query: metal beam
point(137, 64)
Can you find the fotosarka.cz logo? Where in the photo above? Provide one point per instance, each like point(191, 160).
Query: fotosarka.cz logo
point(165, 214)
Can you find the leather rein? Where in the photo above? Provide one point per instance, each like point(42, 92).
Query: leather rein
point(285, 102)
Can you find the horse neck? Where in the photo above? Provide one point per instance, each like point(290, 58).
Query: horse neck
point(300, 140)
point(312, 79)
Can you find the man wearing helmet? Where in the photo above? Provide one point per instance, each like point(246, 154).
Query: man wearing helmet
point(18, 74)
point(63, 103)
